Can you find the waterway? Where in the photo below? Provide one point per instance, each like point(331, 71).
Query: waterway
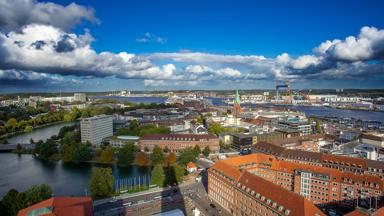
point(22, 171)
point(39, 134)
point(308, 110)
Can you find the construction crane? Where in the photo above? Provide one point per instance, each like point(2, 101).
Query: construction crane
point(286, 86)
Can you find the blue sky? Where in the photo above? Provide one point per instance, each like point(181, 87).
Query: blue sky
point(192, 45)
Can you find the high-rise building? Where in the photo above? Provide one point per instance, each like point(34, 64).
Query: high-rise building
point(96, 128)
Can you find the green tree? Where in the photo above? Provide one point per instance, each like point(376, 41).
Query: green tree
point(81, 153)
point(206, 151)
point(68, 146)
point(106, 155)
point(318, 127)
point(126, 154)
point(216, 128)
point(157, 156)
point(10, 204)
point(187, 155)
point(158, 175)
point(46, 149)
point(12, 122)
point(196, 150)
point(28, 129)
point(166, 149)
point(101, 182)
point(37, 193)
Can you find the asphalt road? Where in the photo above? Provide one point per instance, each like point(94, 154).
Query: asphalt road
point(185, 197)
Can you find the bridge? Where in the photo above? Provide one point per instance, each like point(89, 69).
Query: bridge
point(10, 147)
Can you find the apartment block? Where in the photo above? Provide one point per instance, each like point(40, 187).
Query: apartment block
point(96, 128)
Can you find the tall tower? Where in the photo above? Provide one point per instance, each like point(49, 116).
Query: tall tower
point(236, 104)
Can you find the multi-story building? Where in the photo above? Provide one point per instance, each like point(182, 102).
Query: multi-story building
point(320, 185)
point(178, 142)
point(96, 128)
point(242, 193)
point(80, 97)
point(243, 142)
point(349, 164)
point(303, 128)
point(373, 139)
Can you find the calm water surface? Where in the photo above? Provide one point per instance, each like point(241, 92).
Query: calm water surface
point(21, 172)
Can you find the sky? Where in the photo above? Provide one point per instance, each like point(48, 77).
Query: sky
point(64, 45)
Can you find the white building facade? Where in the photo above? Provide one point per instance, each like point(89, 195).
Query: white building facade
point(96, 128)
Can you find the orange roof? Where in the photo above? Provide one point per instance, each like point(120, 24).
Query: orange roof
point(297, 204)
point(227, 170)
point(62, 206)
point(191, 165)
point(259, 159)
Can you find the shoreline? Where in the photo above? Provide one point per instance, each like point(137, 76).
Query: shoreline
point(17, 133)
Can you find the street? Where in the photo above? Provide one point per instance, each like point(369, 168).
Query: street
point(185, 197)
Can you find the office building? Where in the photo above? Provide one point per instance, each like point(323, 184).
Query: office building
point(96, 128)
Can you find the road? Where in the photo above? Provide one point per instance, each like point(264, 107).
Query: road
point(185, 197)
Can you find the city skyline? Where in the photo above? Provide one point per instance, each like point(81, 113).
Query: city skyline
point(150, 45)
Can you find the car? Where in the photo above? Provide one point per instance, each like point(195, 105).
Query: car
point(212, 205)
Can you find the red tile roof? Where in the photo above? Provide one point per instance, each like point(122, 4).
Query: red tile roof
point(191, 165)
point(197, 137)
point(63, 206)
point(297, 204)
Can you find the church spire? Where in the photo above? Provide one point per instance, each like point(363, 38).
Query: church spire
point(237, 98)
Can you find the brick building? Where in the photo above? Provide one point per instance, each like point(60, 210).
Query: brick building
point(321, 185)
point(243, 193)
point(349, 164)
point(178, 142)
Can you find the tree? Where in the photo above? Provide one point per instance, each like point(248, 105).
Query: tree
point(170, 159)
point(12, 122)
point(318, 127)
point(146, 149)
point(101, 182)
point(166, 149)
point(157, 156)
point(126, 154)
point(46, 149)
point(206, 151)
point(187, 155)
point(216, 128)
point(37, 193)
point(81, 153)
point(196, 150)
point(158, 176)
point(10, 204)
point(142, 159)
point(28, 129)
point(106, 155)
